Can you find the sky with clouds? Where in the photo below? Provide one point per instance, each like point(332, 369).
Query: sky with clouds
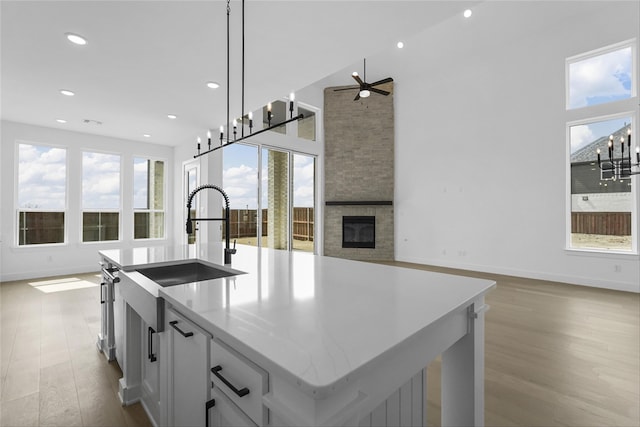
point(42, 173)
point(599, 79)
point(100, 181)
point(596, 80)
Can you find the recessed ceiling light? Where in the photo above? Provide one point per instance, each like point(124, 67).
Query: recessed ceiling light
point(213, 85)
point(76, 39)
point(146, 135)
point(400, 45)
point(66, 92)
point(467, 13)
point(61, 121)
point(172, 116)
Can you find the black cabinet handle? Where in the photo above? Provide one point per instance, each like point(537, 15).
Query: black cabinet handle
point(207, 406)
point(151, 356)
point(216, 371)
point(102, 301)
point(183, 333)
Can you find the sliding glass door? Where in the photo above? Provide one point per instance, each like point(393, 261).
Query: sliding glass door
point(278, 206)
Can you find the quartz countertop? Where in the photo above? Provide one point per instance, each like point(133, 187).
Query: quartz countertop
point(317, 320)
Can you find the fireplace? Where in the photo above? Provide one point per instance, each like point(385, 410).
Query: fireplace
point(359, 232)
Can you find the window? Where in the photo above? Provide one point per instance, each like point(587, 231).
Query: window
point(42, 180)
point(304, 171)
point(100, 197)
point(240, 179)
point(603, 207)
point(307, 125)
point(278, 110)
point(148, 198)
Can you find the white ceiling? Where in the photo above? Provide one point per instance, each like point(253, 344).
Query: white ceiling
point(147, 59)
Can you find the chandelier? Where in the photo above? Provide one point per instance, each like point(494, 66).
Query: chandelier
point(615, 168)
point(226, 140)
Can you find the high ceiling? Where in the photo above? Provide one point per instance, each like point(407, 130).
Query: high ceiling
point(147, 59)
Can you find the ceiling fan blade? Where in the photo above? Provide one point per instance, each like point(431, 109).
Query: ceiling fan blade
point(358, 79)
point(383, 81)
point(381, 92)
point(346, 88)
point(357, 96)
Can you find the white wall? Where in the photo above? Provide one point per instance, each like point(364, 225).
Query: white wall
point(74, 256)
point(481, 140)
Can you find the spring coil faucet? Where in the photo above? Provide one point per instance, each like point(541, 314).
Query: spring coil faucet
point(227, 228)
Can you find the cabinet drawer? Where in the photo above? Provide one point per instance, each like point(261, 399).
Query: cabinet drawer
point(240, 380)
point(225, 413)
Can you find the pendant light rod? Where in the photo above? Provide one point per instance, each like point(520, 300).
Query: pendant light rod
point(242, 103)
point(293, 119)
point(228, 122)
point(227, 139)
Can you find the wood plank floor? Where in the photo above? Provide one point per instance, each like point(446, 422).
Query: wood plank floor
point(556, 355)
point(52, 372)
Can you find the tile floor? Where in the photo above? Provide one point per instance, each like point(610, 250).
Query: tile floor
point(51, 371)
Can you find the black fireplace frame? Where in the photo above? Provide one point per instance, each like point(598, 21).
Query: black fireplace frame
point(360, 219)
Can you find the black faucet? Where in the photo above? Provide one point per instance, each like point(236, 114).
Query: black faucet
point(227, 228)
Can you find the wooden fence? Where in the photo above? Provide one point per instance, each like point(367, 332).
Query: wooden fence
point(603, 223)
point(244, 222)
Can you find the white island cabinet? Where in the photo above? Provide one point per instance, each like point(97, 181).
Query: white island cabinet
point(325, 341)
point(306, 340)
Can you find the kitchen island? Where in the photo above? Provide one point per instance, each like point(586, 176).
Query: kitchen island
point(299, 339)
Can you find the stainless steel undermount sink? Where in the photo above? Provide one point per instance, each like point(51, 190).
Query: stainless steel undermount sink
point(187, 272)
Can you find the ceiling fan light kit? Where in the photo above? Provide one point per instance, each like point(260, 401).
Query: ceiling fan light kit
point(365, 88)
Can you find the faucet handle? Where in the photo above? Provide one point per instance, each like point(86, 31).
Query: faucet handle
point(233, 251)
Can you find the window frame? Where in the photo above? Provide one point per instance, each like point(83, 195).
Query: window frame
point(149, 210)
point(82, 209)
point(598, 52)
point(17, 210)
point(623, 108)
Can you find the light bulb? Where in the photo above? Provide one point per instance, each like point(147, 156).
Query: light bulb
point(221, 129)
point(354, 74)
point(76, 39)
point(250, 115)
point(292, 97)
point(364, 93)
point(467, 13)
point(209, 134)
point(400, 45)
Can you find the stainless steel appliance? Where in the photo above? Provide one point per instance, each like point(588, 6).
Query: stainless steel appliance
point(106, 338)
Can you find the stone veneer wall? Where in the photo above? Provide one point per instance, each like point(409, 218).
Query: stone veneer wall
point(359, 161)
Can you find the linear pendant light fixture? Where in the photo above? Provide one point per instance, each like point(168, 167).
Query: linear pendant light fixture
point(619, 167)
point(226, 140)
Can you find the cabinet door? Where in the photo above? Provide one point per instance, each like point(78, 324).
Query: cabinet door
point(150, 391)
point(225, 413)
point(118, 324)
point(188, 354)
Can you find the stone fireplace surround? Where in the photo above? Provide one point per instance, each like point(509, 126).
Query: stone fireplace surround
point(359, 162)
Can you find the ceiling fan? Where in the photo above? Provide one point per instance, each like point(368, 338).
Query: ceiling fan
point(365, 88)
